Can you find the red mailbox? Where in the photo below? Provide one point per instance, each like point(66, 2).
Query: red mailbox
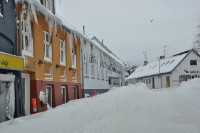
point(34, 102)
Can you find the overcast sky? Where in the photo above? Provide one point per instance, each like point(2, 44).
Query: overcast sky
point(125, 25)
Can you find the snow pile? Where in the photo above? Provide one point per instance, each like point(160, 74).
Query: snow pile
point(130, 109)
point(190, 91)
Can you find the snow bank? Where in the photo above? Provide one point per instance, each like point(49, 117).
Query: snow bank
point(190, 91)
point(75, 115)
point(130, 109)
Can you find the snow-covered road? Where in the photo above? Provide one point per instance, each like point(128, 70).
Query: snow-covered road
point(131, 109)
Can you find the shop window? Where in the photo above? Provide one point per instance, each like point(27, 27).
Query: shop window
point(62, 53)
point(193, 62)
point(49, 94)
point(63, 93)
point(47, 47)
point(75, 90)
point(73, 56)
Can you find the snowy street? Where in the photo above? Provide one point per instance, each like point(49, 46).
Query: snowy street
point(127, 109)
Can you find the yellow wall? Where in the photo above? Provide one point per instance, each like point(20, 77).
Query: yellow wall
point(37, 70)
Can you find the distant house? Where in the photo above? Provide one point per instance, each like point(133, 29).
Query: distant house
point(168, 72)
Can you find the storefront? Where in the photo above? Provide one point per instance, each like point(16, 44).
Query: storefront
point(10, 67)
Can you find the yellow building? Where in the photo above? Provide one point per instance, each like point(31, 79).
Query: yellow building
point(51, 52)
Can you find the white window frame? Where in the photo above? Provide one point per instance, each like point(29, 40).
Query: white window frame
point(63, 91)
point(48, 4)
point(92, 70)
point(47, 43)
point(86, 64)
point(73, 57)
point(26, 49)
point(62, 49)
point(1, 8)
point(48, 86)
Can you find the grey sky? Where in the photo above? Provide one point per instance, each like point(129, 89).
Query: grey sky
point(126, 28)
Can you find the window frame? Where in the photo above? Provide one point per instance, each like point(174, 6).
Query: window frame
point(63, 49)
point(47, 43)
point(73, 57)
point(191, 64)
point(1, 8)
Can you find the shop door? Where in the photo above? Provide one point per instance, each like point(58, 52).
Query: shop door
point(3, 94)
point(26, 93)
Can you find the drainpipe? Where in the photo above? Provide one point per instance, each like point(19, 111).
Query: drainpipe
point(82, 71)
point(20, 73)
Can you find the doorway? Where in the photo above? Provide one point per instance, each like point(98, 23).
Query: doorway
point(153, 83)
point(49, 94)
point(26, 94)
point(168, 81)
point(3, 104)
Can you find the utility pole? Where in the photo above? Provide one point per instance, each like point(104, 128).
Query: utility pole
point(145, 55)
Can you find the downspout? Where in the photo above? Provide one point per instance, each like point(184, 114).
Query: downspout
point(20, 73)
point(82, 71)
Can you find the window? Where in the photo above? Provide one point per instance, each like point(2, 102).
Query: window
point(27, 43)
point(146, 81)
point(98, 65)
point(102, 73)
point(149, 81)
point(62, 53)
point(1, 9)
point(47, 47)
point(48, 4)
point(49, 94)
point(193, 62)
point(75, 90)
point(63, 93)
point(167, 62)
point(73, 57)
point(86, 64)
point(92, 70)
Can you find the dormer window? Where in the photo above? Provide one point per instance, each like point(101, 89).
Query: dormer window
point(49, 4)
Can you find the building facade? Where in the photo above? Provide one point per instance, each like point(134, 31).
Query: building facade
point(102, 70)
point(168, 72)
point(10, 64)
point(51, 52)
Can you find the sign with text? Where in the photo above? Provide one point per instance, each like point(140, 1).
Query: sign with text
point(11, 62)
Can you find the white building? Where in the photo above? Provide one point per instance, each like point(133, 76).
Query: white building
point(168, 72)
point(102, 70)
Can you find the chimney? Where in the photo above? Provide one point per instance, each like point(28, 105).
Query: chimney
point(162, 57)
point(145, 63)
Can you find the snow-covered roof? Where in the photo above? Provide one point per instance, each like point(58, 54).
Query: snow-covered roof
point(108, 53)
point(152, 68)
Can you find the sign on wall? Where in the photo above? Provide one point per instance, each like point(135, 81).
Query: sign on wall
point(11, 62)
